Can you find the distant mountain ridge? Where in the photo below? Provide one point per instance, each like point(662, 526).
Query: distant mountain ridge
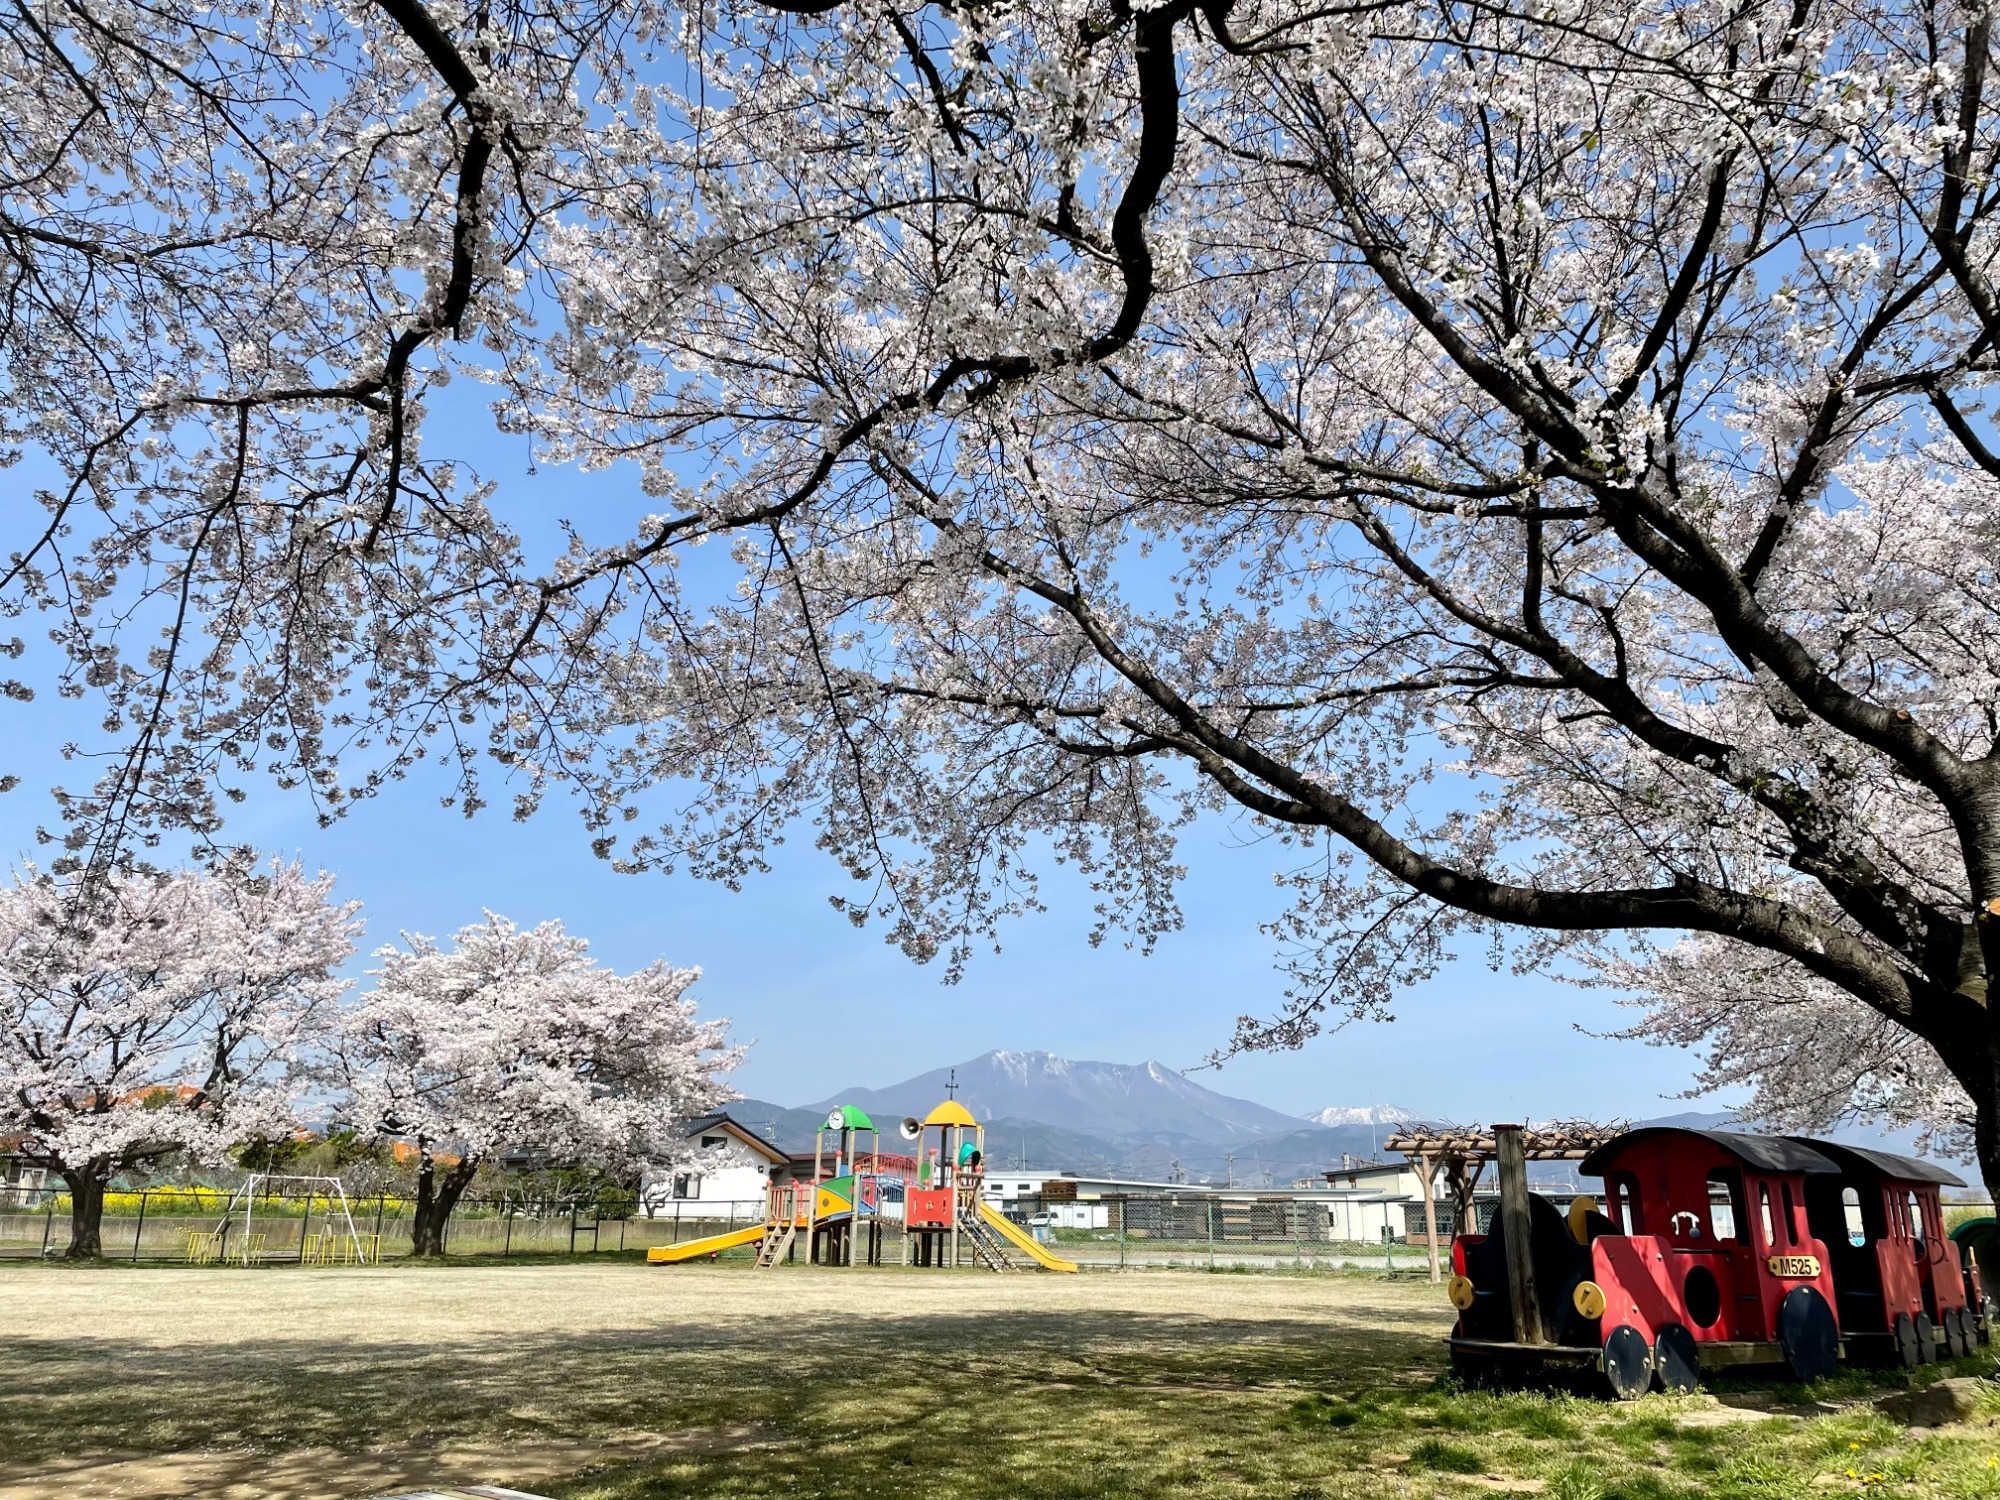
point(1360, 1114)
point(1124, 1102)
point(1145, 1121)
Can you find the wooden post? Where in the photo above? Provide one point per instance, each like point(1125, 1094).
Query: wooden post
point(952, 1135)
point(1513, 1165)
point(1424, 1165)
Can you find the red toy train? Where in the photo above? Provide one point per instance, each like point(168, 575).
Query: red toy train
point(1714, 1249)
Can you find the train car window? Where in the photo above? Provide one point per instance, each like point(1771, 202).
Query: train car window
point(1621, 1193)
point(1850, 1208)
point(1916, 1215)
point(1791, 1217)
point(1764, 1203)
point(1726, 1218)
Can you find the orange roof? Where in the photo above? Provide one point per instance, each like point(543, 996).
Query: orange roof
point(407, 1151)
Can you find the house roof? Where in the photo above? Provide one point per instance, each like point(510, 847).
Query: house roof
point(710, 1123)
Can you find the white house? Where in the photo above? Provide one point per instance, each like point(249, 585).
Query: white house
point(20, 1184)
point(730, 1164)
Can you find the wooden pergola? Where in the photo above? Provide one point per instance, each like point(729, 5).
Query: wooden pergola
point(1464, 1151)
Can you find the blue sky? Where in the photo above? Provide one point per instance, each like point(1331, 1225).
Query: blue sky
point(828, 1006)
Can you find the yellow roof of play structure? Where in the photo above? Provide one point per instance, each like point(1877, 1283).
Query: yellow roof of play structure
point(951, 1112)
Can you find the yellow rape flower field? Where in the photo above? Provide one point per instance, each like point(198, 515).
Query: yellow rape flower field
point(616, 1381)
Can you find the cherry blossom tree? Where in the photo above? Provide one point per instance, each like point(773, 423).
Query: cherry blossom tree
point(1529, 462)
point(1803, 1053)
point(151, 1017)
point(518, 1039)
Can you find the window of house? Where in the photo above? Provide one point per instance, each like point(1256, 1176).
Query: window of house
point(715, 1140)
point(687, 1185)
point(1850, 1209)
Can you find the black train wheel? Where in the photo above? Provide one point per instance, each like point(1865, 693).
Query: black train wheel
point(1678, 1359)
point(1628, 1363)
point(1954, 1332)
point(1906, 1341)
point(1808, 1334)
point(1926, 1339)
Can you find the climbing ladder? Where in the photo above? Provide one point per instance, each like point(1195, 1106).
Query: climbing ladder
point(986, 1246)
point(776, 1242)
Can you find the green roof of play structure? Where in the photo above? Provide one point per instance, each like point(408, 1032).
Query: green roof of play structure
point(847, 1117)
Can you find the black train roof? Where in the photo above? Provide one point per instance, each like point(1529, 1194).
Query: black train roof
point(1885, 1163)
point(1767, 1153)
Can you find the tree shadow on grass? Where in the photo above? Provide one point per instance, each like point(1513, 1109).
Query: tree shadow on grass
point(1071, 1386)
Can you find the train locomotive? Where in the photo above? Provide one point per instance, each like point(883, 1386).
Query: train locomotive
point(1713, 1248)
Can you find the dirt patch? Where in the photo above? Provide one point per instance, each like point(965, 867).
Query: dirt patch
point(322, 1474)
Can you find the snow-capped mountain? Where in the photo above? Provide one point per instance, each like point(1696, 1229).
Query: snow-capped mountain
point(1125, 1102)
point(1138, 1120)
point(1359, 1114)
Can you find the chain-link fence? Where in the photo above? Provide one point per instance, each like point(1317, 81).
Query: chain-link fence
point(1193, 1230)
point(1210, 1231)
point(157, 1224)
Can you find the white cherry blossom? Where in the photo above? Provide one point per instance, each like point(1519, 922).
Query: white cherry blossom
point(516, 1039)
point(1530, 463)
point(155, 1017)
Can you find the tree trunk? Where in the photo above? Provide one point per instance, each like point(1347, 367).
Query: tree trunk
point(436, 1198)
point(86, 1214)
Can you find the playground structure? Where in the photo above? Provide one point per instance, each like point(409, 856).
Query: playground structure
point(841, 1210)
point(845, 1210)
point(1713, 1249)
point(336, 1243)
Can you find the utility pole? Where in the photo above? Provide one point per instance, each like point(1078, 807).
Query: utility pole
point(1230, 1160)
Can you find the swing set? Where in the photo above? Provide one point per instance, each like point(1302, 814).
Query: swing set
point(236, 1239)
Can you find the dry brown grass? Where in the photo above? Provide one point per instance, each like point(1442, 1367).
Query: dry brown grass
point(623, 1382)
point(190, 1380)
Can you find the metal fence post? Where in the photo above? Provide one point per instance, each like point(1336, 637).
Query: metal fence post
point(48, 1224)
point(572, 1229)
point(1298, 1239)
point(139, 1233)
point(507, 1245)
point(1209, 1218)
point(1122, 1202)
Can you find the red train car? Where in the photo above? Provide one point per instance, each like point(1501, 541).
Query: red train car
point(1902, 1294)
point(1703, 1257)
point(1717, 1248)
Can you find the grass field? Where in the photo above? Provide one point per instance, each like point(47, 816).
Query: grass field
point(622, 1382)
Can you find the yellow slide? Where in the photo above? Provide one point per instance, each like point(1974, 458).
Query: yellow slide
point(1026, 1243)
point(662, 1255)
